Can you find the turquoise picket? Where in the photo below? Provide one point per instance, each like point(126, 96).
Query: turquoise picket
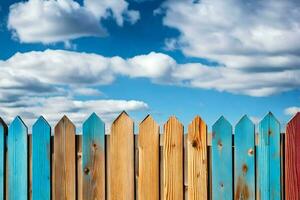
point(222, 181)
point(41, 160)
point(268, 159)
point(93, 158)
point(17, 160)
point(3, 133)
point(244, 160)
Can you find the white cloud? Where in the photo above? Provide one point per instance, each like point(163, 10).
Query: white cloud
point(292, 110)
point(50, 21)
point(257, 37)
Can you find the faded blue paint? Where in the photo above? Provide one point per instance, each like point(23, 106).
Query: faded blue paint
point(268, 159)
point(244, 160)
point(17, 160)
point(222, 182)
point(3, 132)
point(93, 132)
point(41, 160)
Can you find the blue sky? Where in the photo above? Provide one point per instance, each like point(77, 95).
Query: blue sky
point(182, 58)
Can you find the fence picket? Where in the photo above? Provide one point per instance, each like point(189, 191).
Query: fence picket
point(244, 160)
point(64, 160)
point(197, 160)
point(222, 183)
point(3, 134)
point(148, 172)
point(292, 159)
point(268, 159)
point(41, 160)
point(173, 160)
point(93, 158)
point(121, 161)
point(17, 160)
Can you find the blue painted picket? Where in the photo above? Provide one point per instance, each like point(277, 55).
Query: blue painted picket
point(244, 160)
point(41, 160)
point(268, 159)
point(222, 181)
point(93, 158)
point(3, 133)
point(17, 160)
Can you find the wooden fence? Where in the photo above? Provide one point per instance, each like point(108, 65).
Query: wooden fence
point(242, 164)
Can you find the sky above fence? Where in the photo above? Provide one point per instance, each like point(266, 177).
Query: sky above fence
point(180, 58)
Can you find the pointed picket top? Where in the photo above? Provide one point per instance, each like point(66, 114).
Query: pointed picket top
point(222, 121)
point(123, 116)
point(18, 122)
point(295, 119)
point(42, 122)
point(269, 117)
point(148, 120)
point(173, 121)
point(194, 128)
point(245, 121)
point(65, 120)
point(93, 118)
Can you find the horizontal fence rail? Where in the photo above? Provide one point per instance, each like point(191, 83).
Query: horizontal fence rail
point(239, 162)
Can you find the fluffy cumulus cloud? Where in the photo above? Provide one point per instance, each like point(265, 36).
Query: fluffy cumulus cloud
point(292, 110)
point(255, 38)
point(51, 21)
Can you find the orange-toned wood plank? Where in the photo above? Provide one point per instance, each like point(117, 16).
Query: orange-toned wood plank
point(121, 164)
point(197, 160)
point(148, 145)
point(173, 160)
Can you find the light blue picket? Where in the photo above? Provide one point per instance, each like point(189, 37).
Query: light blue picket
point(268, 159)
point(17, 160)
point(222, 181)
point(93, 158)
point(41, 160)
point(244, 160)
point(3, 133)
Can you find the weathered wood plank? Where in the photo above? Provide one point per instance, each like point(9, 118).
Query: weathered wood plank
point(121, 164)
point(17, 160)
point(148, 172)
point(3, 134)
point(292, 159)
point(244, 160)
point(93, 158)
point(64, 160)
point(268, 159)
point(222, 177)
point(41, 160)
point(79, 167)
point(197, 160)
point(173, 160)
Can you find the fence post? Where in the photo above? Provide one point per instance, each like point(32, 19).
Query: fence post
point(197, 160)
point(41, 160)
point(148, 172)
point(292, 159)
point(3, 134)
point(222, 183)
point(93, 158)
point(173, 160)
point(64, 160)
point(244, 160)
point(121, 156)
point(17, 160)
point(268, 159)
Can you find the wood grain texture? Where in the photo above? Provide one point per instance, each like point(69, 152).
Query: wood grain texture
point(148, 170)
point(79, 167)
point(41, 160)
point(173, 160)
point(268, 159)
point(64, 160)
point(17, 160)
point(3, 134)
point(222, 177)
point(121, 164)
point(197, 160)
point(292, 159)
point(93, 158)
point(244, 160)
